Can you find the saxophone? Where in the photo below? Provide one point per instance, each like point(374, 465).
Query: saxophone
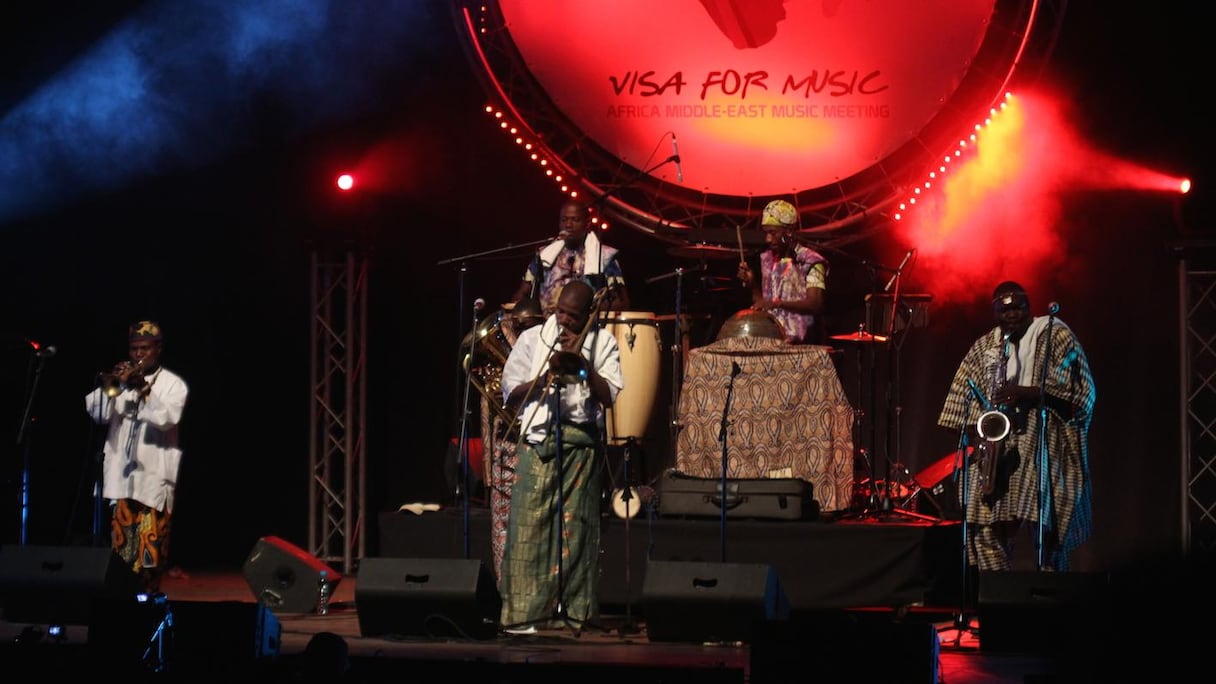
point(993, 425)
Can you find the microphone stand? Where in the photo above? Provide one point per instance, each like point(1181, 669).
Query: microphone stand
point(961, 619)
point(893, 403)
point(98, 471)
point(1045, 496)
point(463, 446)
point(555, 389)
point(730, 389)
point(24, 442)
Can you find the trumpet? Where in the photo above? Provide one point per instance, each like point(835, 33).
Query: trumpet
point(124, 376)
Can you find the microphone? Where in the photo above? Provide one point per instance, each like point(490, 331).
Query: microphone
point(675, 157)
point(1053, 308)
point(479, 304)
point(46, 352)
point(899, 270)
point(735, 369)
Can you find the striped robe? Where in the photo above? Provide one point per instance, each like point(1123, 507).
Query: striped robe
point(1070, 384)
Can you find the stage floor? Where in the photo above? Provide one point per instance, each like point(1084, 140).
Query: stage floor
point(617, 647)
point(865, 598)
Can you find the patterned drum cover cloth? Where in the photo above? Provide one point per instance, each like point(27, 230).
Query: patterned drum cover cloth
point(789, 416)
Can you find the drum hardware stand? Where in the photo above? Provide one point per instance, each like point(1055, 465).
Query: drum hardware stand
point(866, 340)
point(677, 349)
point(895, 408)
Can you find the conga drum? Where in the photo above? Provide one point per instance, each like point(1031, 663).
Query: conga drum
point(637, 335)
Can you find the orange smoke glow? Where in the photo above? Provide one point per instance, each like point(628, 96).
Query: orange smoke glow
point(996, 214)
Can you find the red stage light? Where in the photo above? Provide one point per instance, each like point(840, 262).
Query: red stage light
point(345, 181)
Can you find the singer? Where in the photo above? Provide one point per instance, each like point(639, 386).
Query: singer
point(141, 453)
point(793, 277)
point(576, 254)
point(1037, 369)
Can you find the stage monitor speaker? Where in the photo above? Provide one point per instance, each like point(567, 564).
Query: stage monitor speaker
point(433, 597)
point(937, 492)
point(230, 632)
point(285, 577)
point(61, 584)
point(185, 637)
point(699, 602)
point(1043, 612)
point(845, 646)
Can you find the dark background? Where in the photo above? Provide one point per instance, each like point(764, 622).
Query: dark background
point(217, 248)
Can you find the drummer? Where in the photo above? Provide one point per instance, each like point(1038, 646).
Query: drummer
point(577, 253)
point(793, 277)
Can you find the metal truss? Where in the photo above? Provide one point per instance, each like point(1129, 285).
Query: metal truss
point(1197, 338)
point(1021, 36)
point(337, 417)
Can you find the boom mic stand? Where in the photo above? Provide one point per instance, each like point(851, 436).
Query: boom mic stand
point(555, 390)
point(23, 441)
point(962, 619)
point(722, 504)
point(463, 448)
point(627, 627)
point(1046, 502)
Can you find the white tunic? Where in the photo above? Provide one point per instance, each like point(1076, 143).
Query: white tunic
point(529, 359)
point(141, 454)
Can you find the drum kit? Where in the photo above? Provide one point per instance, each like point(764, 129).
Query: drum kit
point(638, 335)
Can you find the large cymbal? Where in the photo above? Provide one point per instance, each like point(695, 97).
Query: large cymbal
point(860, 336)
point(701, 251)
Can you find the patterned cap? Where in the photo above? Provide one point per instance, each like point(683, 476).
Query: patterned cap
point(144, 330)
point(779, 213)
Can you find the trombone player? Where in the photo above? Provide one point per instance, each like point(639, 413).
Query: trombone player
point(572, 365)
point(1033, 370)
point(141, 402)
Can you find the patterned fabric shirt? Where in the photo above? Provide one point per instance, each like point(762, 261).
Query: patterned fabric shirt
point(786, 279)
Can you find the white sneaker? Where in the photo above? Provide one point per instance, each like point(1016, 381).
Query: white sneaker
point(530, 629)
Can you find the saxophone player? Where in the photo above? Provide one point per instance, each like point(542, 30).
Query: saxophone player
point(1037, 373)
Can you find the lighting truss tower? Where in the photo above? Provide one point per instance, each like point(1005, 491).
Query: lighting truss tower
point(1197, 338)
point(337, 421)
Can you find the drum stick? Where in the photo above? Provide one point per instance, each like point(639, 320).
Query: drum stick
point(739, 237)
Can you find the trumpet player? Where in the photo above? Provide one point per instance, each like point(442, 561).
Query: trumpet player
point(141, 402)
point(1035, 371)
point(560, 376)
